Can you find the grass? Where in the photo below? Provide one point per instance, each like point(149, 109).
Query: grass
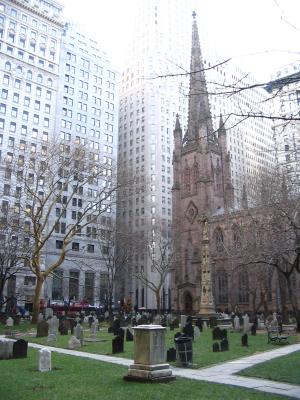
point(81, 379)
point(202, 347)
point(282, 369)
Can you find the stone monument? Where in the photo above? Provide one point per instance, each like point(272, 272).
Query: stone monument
point(149, 355)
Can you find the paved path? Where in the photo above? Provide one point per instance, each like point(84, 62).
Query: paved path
point(222, 373)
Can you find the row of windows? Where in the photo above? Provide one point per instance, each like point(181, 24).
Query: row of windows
point(28, 88)
point(31, 59)
point(29, 74)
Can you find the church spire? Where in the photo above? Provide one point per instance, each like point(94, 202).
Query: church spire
point(199, 123)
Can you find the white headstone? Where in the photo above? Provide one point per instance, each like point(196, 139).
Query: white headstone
point(9, 322)
point(48, 313)
point(183, 319)
point(44, 363)
point(246, 327)
point(204, 325)
point(74, 343)
point(79, 333)
point(94, 328)
point(86, 319)
point(53, 325)
point(236, 323)
point(40, 317)
point(196, 332)
point(51, 338)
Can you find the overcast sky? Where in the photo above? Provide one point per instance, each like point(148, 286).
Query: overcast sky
point(261, 35)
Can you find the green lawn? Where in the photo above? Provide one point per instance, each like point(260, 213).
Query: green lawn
point(81, 379)
point(282, 369)
point(202, 347)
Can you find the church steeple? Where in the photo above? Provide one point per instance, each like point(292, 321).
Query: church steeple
point(199, 121)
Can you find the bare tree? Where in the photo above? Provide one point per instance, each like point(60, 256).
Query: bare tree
point(160, 253)
point(51, 178)
point(14, 253)
point(275, 230)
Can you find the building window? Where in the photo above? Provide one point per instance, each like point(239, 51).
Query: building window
point(243, 288)
point(75, 246)
point(90, 248)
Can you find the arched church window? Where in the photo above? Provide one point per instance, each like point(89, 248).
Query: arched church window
point(187, 179)
point(236, 237)
point(219, 240)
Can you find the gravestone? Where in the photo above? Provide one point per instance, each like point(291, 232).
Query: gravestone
point(236, 323)
point(9, 322)
point(63, 327)
point(245, 340)
point(6, 350)
point(215, 347)
point(183, 319)
point(224, 345)
point(94, 328)
point(129, 336)
point(121, 333)
point(213, 322)
point(74, 343)
point(116, 326)
point(246, 326)
point(205, 325)
point(188, 330)
point(42, 329)
point(48, 313)
point(73, 323)
point(156, 319)
point(171, 354)
point(253, 330)
point(44, 360)
point(40, 317)
point(53, 326)
point(217, 334)
point(196, 332)
point(20, 349)
point(51, 338)
point(117, 345)
point(79, 333)
point(149, 355)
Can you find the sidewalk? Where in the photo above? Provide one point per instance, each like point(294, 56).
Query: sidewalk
point(221, 373)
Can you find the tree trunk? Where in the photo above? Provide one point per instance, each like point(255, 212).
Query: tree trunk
point(36, 299)
point(157, 295)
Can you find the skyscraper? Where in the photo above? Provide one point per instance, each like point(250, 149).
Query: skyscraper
point(56, 86)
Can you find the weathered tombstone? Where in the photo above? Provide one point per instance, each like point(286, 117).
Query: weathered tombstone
point(156, 319)
point(236, 323)
point(217, 333)
point(6, 350)
point(205, 325)
point(183, 319)
point(94, 328)
point(129, 336)
point(74, 343)
point(73, 323)
point(51, 338)
point(188, 330)
point(171, 354)
point(246, 326)
point(184, 351)
point(63, 327)
point(213, 322)
point(79, 333)
point(116, 326)
point(149, 355)
point(42, 329)
point(44, 360)
point(245, 340)
point(20, 349)
point(40, 317)
point(117, 345)
point(216, 347)
point(53, 325)
point(121, 333)
point(253, 330)
point(48, 313)
point(196, 332)
point(9, 322)
point(224, 345)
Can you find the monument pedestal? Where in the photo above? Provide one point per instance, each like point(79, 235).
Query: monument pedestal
point(149, 355)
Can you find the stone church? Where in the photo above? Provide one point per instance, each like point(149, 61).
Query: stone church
point(204, 279)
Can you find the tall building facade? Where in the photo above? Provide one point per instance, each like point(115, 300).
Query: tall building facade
point(56, 85)
point(285, 92)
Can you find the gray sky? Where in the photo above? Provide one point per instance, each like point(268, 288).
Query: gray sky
point(261, 35)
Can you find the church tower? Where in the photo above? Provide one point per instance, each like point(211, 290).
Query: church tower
point(202, 188)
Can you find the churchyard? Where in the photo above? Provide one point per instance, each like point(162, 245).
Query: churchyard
point(82, 378)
